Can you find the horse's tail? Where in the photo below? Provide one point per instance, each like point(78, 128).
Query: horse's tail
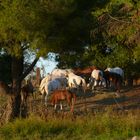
point(83, 83)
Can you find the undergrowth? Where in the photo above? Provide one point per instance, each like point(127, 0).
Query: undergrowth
point(102, 126)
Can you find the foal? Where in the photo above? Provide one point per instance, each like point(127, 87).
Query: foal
point(61, 95)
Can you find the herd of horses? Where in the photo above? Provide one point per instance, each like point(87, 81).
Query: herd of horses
point(62, 84)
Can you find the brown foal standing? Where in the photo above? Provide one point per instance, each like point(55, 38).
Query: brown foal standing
point(61, 95)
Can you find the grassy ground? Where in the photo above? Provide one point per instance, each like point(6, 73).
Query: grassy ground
point(100, 126)
point(101, 119)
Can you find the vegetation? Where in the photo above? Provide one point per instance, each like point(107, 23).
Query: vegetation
point(115, 36)
point(82, 33)
point(98, 127)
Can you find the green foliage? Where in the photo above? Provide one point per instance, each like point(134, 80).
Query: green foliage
point(101, 126)
point(66, 27)
point(117, 27)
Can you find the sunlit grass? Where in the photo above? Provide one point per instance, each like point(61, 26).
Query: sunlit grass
point(102, 126)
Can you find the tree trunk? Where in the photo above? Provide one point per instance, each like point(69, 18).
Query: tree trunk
point(13, 108)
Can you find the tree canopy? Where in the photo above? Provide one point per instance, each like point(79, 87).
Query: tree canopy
point(82, 32)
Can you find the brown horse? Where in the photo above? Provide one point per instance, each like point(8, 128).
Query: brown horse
point(85, 72)
point(25, 92)
point(115, 79)
point(61, 95)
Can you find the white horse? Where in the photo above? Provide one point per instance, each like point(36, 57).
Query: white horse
point(75, 81)
point(96, 79)
point(61, 72)
point(50, 77)
point(116, 70)
point(44, 81)
point(50, 86)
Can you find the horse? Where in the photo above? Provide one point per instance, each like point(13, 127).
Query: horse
point(52, 85)
point(85, 72)
point(51, 77)
point(25, 92)
point(115, 79)
point(61, 72)
point(96, 79)
point(116, 70)
point(75, 81)
point(61, 95)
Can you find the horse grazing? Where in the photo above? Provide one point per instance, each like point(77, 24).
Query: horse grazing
point(61, 95)
point(75, 81)
point(51, 77)
point(115, 79)
point(52, 85)
point(96, 78)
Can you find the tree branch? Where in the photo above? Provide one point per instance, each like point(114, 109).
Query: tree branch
point(119, 20)
point(28, 69)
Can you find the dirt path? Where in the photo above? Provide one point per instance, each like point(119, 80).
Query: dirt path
point(101, 101)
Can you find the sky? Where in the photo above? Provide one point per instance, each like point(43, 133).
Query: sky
point(47, 64)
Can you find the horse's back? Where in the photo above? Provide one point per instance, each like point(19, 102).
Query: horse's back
point(59, 72)
point(116, 70)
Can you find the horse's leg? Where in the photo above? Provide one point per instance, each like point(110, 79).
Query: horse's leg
point(72, 102)
point(118, 86)
point(33, 96)
point(42, 98)
point(72, 105)
point(61, 106)
point(94, 84)
point(55, 106)
point(46, 98)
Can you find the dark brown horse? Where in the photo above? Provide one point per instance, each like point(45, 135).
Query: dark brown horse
point(61, 95)
point(26, 90)
point(113, 78)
